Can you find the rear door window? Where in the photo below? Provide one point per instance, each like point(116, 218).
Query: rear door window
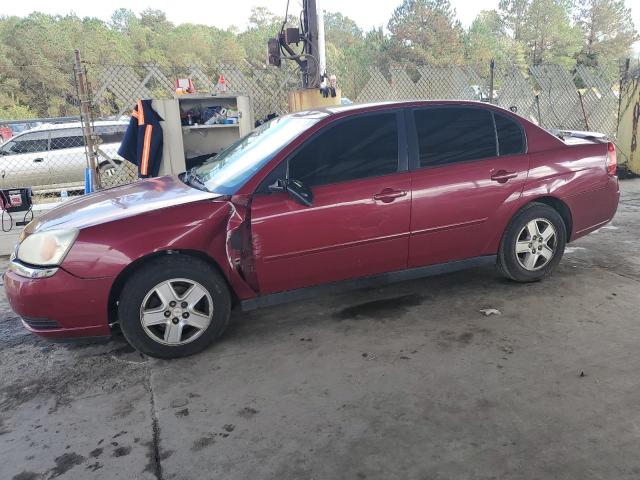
point(361, 147)
point(66, 138)
point(111, 133)
point(510, 136)
point(454, 134)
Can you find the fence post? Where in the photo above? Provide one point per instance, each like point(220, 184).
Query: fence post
point(492, 66)
point(86, 120)
point(584, 112)
point(538, 109)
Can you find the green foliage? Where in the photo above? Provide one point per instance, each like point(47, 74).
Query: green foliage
point(12, 111)
point(487, 39)
point(426, 31)
point(607, 32)
point(548, 33)
point(262, 25)
point(36, 51)
point(351, 52)
point(514, 16)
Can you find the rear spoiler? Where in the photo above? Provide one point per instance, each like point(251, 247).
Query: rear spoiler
point(592, 136)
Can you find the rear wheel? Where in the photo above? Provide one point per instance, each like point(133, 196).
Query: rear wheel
point(533, 243)
point(174, 306)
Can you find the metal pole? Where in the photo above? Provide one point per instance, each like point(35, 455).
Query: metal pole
point(584, 113)
point(312, 44)
point(492, 66)
point(86, 120)
point(322, 57)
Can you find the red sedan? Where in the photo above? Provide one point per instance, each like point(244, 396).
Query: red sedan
point(318, 200)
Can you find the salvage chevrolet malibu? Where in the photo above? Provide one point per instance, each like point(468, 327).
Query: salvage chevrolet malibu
point(312, 201)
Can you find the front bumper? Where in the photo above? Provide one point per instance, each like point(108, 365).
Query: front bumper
point(61, 306)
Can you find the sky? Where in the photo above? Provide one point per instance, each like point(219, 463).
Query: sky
point(226, 13)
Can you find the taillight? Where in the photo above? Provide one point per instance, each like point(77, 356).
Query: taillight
point(612, 163)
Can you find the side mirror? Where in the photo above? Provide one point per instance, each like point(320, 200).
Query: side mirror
point(280, 185)
point(295, 189)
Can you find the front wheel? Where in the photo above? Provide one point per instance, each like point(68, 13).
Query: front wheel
point(533, 243)
point(174, 306)
point(108, 169)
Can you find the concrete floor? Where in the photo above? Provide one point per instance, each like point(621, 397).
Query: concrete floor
point(404, 382)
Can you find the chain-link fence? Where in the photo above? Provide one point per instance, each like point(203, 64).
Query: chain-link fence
point(42, 145)
point(116, 88)
point(548, 95)
point(45, 149)
point(51, 157)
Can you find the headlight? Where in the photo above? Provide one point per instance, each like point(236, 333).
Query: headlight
point(46, 248)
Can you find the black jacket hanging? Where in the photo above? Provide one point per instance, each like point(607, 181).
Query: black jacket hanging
point(142, 142)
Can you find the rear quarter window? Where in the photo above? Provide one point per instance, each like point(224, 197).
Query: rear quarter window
point(510, 136)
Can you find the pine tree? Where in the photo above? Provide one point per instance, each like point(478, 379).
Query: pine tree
point(607, 31)
point(426, 31)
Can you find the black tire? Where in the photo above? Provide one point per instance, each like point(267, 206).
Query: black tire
point(510, 263)
point(143, 282)
point(108, 169)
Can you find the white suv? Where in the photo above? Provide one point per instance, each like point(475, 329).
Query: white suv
point(52, 157)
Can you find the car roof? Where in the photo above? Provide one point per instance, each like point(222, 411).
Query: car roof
point(373, 106)
point(61, 126)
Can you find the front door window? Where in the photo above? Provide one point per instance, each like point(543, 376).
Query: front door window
point(357, 148)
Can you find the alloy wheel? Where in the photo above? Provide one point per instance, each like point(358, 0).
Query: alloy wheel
point(108, 171)
point(176, 311)
point(536, 244)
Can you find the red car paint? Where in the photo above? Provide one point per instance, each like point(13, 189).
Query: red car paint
point(270, 243)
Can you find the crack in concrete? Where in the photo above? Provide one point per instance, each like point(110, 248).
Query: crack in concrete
point(607, 269)
point(156, 466)
point(623, 275)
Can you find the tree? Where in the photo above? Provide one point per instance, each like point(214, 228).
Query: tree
point(487, 39)
point(341, 31)
point(426, 31)
point(548, 35)
point(351, 53)
point(263, 24)
point(190, 44)
point(513, 13)
point(123, 19)
point(607, 31)
point(155, 20)
point(36, 51)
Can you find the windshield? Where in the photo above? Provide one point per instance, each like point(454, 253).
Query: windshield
point(230, 169)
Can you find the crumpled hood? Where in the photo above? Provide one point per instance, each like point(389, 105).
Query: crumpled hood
point(120, 202)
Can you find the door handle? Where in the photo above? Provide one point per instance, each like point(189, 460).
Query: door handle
point(389, 195)
point(501, 176)
point(38, 160)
